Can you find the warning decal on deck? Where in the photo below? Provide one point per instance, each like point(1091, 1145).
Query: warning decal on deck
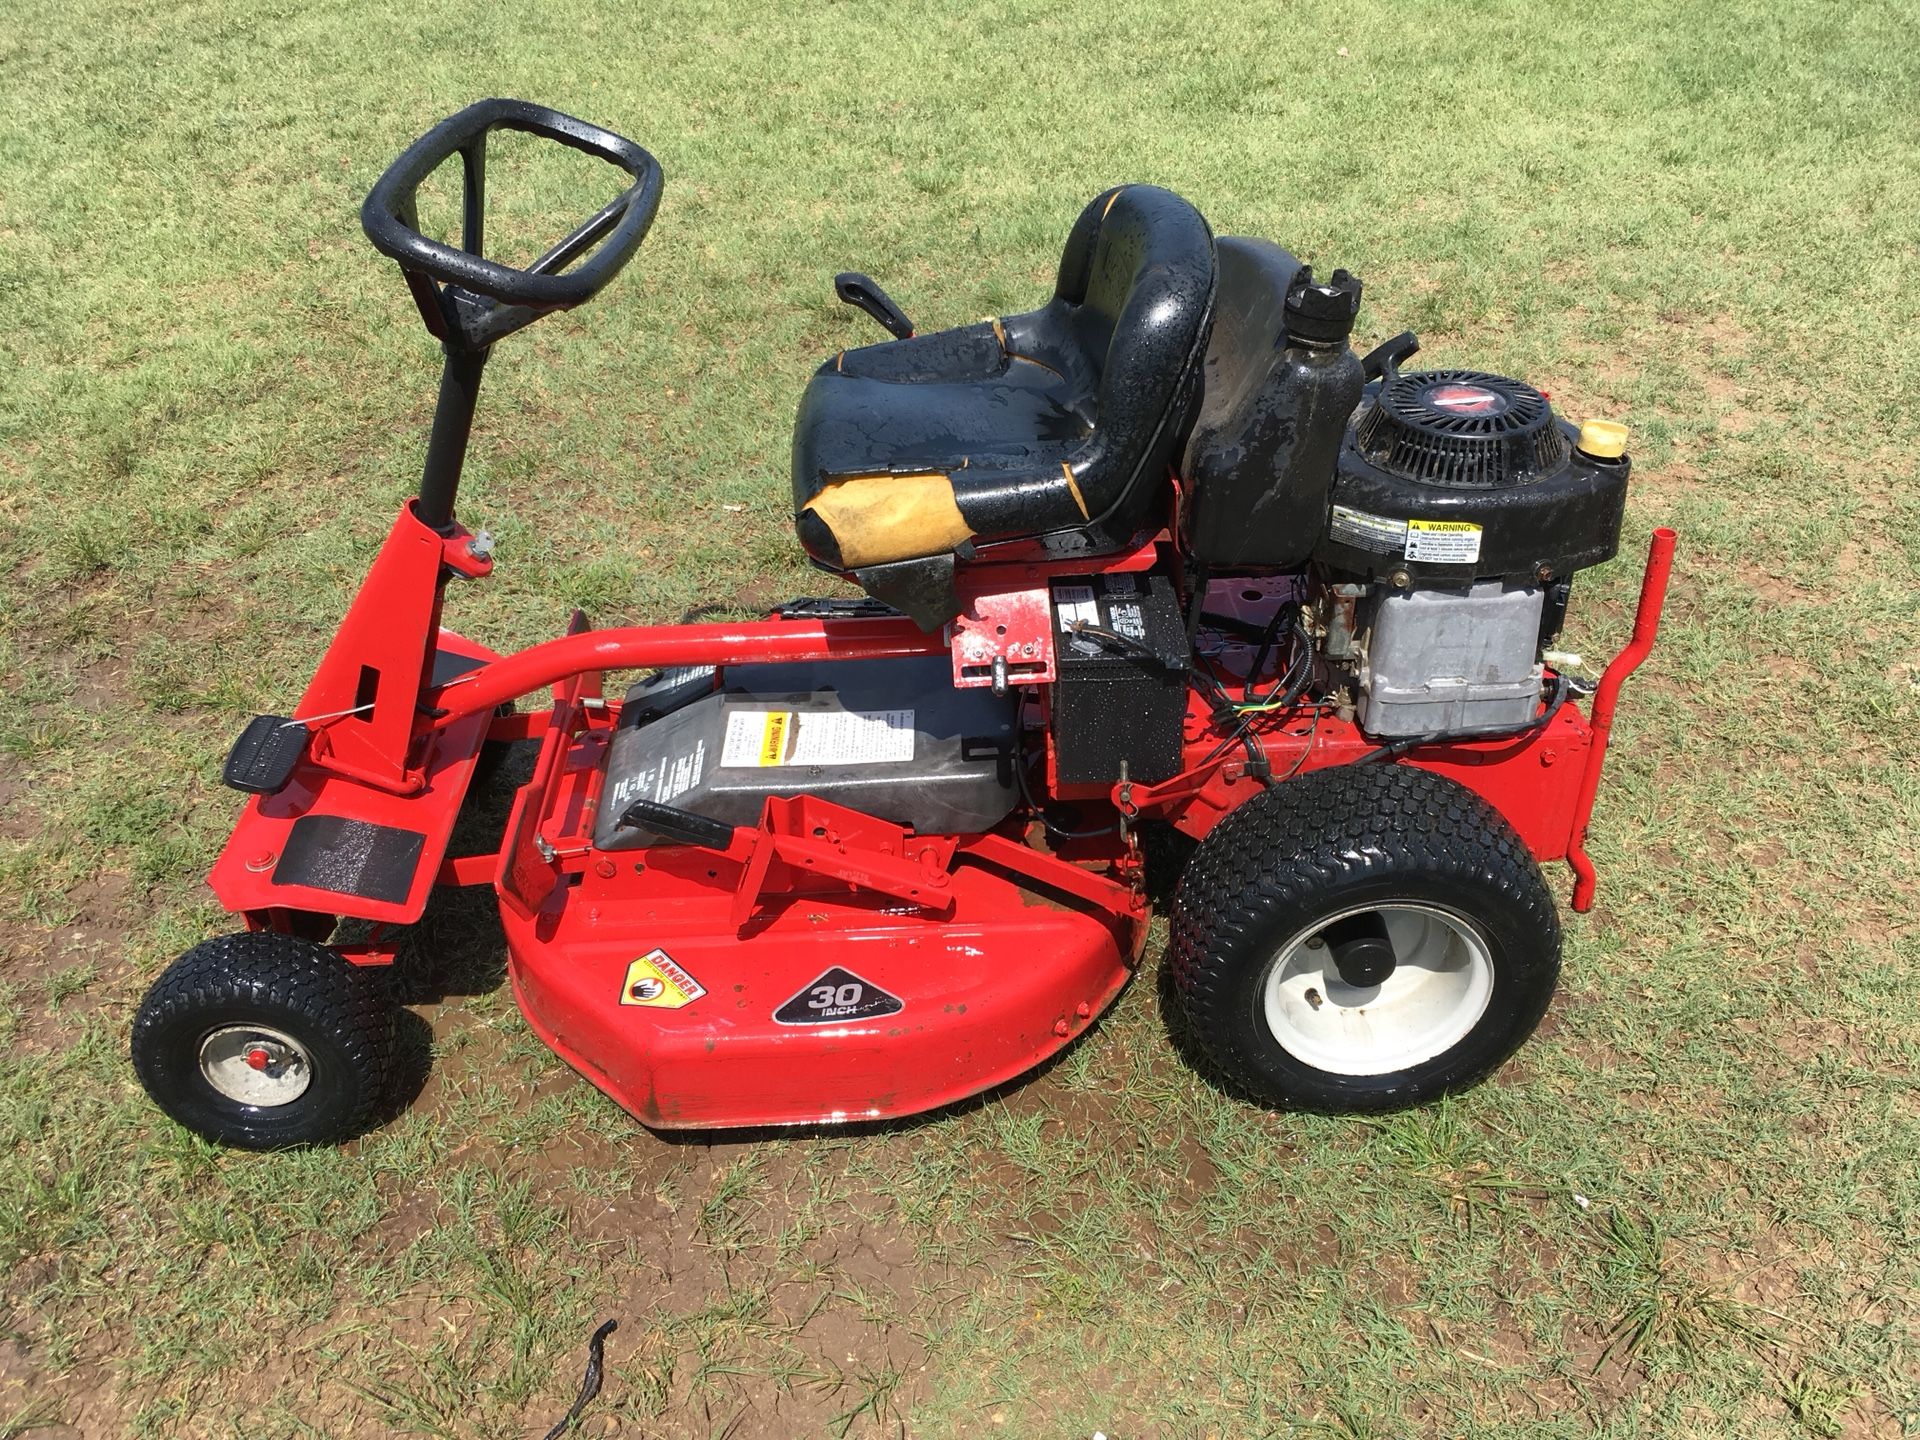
point(816, 737)
point(655, 981)
point(838, 997)
point(665, 778)
point(1443, 542)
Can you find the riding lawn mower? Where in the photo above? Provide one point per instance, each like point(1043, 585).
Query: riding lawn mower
point(1160, 574)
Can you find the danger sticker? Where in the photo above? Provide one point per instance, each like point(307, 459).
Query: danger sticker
point(810, 737)
point(837, 997)
point(656, 982)
point(1368, 531)
point(1443, 542)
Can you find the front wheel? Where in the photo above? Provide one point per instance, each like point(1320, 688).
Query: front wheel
point(264, 1041)
point(1361, 939)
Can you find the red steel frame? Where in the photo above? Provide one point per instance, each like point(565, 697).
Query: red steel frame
point(1646, 628)
point(1002, 947)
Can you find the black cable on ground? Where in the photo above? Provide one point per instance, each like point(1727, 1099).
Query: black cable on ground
point(590, 1382)
point(1267, 636)
point(1232, 625)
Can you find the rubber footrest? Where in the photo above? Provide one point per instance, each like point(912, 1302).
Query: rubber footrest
point(262, 759)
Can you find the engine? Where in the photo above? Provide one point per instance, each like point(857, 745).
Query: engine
point(1431, 522)
point(1461, 507)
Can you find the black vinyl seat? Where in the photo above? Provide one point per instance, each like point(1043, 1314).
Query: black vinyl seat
point(1056, 425)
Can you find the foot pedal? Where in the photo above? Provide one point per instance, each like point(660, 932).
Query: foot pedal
point(262, 759)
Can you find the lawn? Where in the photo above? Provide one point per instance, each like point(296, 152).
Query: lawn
point(1691, 1207)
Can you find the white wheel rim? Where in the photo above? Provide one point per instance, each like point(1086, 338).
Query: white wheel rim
point(255, 1065)
point(1440, 987)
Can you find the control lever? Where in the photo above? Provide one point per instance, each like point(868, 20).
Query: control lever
point(674, 823)
point(864, 293)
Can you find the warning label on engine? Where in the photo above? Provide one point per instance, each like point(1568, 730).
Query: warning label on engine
point(1443, 542)
point(809, 737)
point(1368, 531)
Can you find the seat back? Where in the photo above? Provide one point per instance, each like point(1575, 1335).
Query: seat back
point(1128, 327)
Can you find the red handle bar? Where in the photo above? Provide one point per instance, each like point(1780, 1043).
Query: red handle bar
point(1646, 626)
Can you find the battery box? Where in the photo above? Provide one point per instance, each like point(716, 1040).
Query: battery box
point(1121, 696)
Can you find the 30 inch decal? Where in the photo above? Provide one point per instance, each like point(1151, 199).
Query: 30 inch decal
point(838, 997)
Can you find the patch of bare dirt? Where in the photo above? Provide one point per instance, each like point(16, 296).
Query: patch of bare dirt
point(37, 1400)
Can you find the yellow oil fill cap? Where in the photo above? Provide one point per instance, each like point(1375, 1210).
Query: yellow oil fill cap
point(1603, 439)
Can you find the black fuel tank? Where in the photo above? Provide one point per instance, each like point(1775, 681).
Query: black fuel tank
point(1280, 384)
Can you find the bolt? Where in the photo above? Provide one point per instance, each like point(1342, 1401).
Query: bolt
point(1060, 1026)
point(1083, 1010)
point(1314, 942)
point(258, 1058)
point(1400, 579)
point(480, 547)
point(263, 861)
point(605, 869)
point(1544, 572)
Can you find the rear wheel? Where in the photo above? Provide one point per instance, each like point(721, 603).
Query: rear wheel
point(1362, 938)
point(266, 1040)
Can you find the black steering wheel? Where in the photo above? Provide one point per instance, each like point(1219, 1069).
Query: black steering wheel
point(467, 300)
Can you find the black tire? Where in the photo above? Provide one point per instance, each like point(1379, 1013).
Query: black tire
point(1336, 842)
point(318, 1016)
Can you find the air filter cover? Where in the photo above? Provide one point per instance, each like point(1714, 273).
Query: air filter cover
point(1461, 476)
point(1460, 427)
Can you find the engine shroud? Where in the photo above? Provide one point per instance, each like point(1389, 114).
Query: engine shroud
point(1459, 475)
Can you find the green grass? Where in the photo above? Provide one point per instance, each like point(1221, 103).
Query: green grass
point(1689, 1208)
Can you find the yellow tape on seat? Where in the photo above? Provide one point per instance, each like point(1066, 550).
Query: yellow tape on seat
point(878, 518)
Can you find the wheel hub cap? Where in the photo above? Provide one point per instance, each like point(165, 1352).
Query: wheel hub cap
point(255, 1065)
point(1429, 994)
